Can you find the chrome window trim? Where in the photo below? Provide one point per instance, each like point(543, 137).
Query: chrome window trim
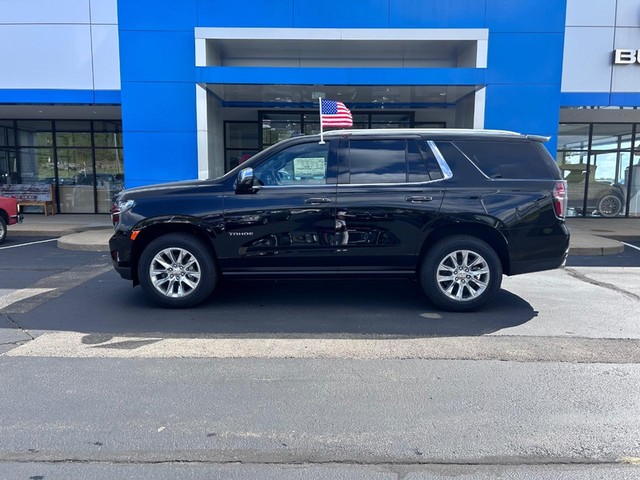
point(388, 184)
point(295, 186)
point(444, 166)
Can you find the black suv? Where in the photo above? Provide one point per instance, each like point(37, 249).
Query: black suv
point(453, 208)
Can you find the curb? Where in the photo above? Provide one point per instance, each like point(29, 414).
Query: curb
point(95, 240)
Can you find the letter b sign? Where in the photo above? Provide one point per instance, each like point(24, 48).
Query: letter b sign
point(624, 56)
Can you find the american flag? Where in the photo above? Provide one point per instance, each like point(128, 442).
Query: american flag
point(335, 114)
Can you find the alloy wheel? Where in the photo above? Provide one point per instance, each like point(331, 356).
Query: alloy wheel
point(175, 272)
point(463, 275)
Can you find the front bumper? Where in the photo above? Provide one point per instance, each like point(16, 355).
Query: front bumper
point(120, 247)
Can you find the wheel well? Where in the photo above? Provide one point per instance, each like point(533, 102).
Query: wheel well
point(4, 215)
point(485, 233)
point(150, 233)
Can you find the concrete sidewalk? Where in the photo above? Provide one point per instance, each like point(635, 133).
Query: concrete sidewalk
point(89, 232)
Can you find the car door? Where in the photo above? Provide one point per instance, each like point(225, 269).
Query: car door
point(386, 202)
point(286, 222)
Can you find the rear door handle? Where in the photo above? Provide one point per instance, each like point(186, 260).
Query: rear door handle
point(317, 201)
point(418, 198)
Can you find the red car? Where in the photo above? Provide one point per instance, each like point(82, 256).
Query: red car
point(8, 215)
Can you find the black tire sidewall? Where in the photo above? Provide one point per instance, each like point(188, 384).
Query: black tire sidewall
point(617, 197)
point(209, 274)
point(3, 230)
point(428, 272)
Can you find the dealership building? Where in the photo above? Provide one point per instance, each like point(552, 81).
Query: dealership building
point(96, 95)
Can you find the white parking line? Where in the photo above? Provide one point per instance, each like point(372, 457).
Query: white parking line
point(29, 243)
point(632, 246)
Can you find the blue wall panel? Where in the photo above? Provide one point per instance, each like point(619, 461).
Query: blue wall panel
point(157, 56)
point(157, 14)
point(436, 13)
point(526, 15)
point(247, 13)
point(159, 157)
point(525, 58)
point(103, 97)
point(531, 109)
point(620, 99)
point(584, 99)
point(341, 14)
point(159, 107)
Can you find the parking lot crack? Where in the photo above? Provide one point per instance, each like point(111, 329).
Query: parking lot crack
point(582, 277)
point(18, 326)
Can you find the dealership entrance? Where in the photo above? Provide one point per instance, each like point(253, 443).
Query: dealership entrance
point(242, 120)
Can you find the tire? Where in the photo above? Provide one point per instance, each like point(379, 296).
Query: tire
point(3, 229)
point(609, 205)
point(184, 256)
point(467, 290)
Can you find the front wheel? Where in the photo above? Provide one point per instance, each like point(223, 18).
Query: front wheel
point(177, 270)
point(461, 273)
point(3, 229)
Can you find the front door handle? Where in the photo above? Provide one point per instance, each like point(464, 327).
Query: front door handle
point(418, 198)
point(317, 201)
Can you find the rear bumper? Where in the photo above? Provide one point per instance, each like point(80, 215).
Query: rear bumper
point(546, 249)
point(13, 219)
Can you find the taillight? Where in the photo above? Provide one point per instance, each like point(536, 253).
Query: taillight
point(560, 199)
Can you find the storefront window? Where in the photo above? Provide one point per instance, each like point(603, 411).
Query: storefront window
point(595, 160)
point(34, 133)
point(83, 160)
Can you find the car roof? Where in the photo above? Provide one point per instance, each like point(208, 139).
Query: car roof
point(438, 132)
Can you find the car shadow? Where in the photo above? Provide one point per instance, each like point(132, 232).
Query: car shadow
point(329, 308)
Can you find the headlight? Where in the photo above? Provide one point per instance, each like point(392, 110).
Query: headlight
point(118, 207)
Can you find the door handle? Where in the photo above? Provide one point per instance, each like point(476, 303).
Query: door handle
point(317, 201)
point(418, 198)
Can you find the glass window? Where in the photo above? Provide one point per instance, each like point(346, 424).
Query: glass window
point(432, 163)
point(505, 159)
point(111, 140)
point(611, 136)
point(73, 126)
point(109, 176)
point(36, 165)
point(109, 126)
point(34, 133)
point(235, 157)
point(573, 136)
point(304, 164)
point(7, 134)
point(241, 135)
point(75, 180)
point(377, 161)
point(416, 165)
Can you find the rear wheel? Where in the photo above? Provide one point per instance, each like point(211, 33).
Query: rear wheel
point(610, 205)
point(3, 229)
point(177, 270)
point(461, 273)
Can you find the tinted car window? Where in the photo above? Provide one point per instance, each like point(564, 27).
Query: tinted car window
point(377, 161)
point(416, 165)
point(505, 159)
point(304, 164)
point(430, 160)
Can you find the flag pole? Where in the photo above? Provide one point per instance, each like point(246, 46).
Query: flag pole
point(321, 132)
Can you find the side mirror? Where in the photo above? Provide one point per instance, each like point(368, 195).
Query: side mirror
point(244, 183)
